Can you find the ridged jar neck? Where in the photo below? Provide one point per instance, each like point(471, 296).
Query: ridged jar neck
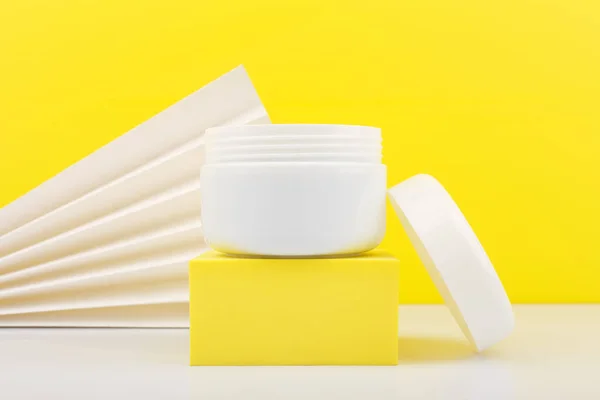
point(293, 143)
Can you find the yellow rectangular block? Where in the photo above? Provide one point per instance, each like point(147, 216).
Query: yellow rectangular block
point(326, 311)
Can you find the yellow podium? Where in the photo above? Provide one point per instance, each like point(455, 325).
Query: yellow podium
point(321, 311)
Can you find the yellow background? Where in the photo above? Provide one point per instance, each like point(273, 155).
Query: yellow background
point(499, 99)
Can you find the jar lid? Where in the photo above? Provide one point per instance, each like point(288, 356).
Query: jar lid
point(454, 259)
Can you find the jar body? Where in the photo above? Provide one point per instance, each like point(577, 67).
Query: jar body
point(293, 209)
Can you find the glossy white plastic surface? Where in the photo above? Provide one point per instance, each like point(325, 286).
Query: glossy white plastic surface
point(298, 149)
point(281, 130)
point(367, 157)
point(293, 190)
point(295, 139)
point(455, 259)
point(293, 209)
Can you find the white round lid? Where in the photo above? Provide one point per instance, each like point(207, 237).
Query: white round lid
point(455, 259)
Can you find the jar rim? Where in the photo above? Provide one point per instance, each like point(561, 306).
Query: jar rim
point(295, 129)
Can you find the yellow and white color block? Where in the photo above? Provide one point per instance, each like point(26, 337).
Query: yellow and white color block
point(328, 311)
point(498, 99)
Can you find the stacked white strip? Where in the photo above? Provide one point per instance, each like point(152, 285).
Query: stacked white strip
point(114, 231)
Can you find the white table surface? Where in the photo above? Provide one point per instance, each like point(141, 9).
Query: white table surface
point(554, 353)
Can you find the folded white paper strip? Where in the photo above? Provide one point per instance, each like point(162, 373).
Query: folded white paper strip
point(229, 99)
point(177, 204)
point(115, 230)
point(170, 315)
point(159, 292)
point(150, 179)
point(185, 236)
point(159, 269)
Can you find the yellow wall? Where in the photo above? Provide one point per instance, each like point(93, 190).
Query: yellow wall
point(499, 99)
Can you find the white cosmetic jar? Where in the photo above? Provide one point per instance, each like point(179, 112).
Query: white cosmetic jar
point(293, 190)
